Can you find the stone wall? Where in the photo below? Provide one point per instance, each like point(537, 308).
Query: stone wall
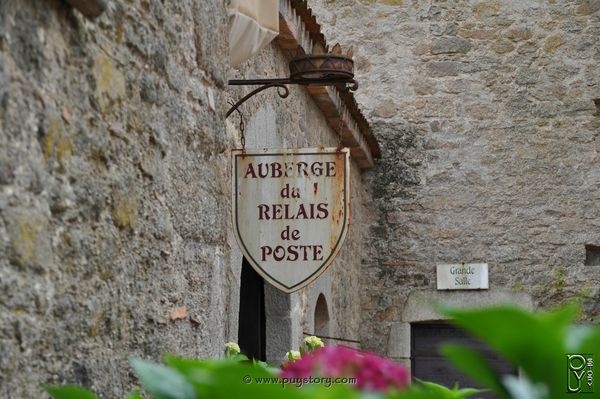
point(491, 146)
point(115, 193)
point(113, 159)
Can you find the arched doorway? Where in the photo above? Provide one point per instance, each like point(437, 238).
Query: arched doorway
point(251, 330)
point(321, 317)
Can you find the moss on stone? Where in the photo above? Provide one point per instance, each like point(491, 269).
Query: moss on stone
point(588, 7)
point(56, 143)
point(517, 286)
point(27, 239)
point(502, 46)
point(110, 83)
point(479, 34)
point(393, 2)
point(519, 34)
point(587, 291)
point(486, 9)
point(553, 43)
point(133, 123)
point(124, 211)
point(559, 275)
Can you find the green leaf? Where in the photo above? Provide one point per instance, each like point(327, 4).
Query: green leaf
point(534, 342)
point(267, 367)
point(577, 336)
point(430, 390)
point(454, 393)
point(240, 357)
point(338, 391)
point(522, 388)
point(70, 392)
point(561, 316)
point(467, 392)
point(476, 366)
point(161, 381)
point(137, 394)
point(589, 343)
point(224, 379)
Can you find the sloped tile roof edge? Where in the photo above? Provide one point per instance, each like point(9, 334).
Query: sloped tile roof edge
point(297, 12)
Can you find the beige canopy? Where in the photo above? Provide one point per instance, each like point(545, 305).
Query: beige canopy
point(252, 25)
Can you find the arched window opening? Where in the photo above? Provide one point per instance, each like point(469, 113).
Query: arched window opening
point(321, 317)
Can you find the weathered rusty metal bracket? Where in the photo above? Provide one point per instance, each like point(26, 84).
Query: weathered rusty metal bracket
point(306, 70)
point(272, 83)
point(280, 83)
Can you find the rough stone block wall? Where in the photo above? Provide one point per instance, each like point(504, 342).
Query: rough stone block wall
point(113, 160)
point(491, 145)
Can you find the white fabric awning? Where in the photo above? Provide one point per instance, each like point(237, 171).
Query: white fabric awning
point(252, 25)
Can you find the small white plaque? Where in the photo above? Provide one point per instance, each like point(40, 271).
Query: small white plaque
point(463, 276)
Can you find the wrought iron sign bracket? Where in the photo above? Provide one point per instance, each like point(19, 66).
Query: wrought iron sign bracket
point(306, 70)
point(282, 89)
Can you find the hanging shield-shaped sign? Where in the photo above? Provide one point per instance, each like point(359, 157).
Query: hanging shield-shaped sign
point(290, 211)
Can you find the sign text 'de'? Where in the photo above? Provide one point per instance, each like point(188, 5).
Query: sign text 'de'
point(290, 211)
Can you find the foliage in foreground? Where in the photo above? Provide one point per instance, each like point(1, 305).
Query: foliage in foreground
point(536, 343)
point(223, 379)
point(231, 378)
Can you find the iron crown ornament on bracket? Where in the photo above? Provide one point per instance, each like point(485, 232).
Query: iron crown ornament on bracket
point(329, 69)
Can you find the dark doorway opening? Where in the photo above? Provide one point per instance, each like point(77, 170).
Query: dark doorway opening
point(251, 331)
point(428, 363)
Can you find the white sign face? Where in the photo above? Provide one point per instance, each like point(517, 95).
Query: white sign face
point(464, 276)
point(290, 211)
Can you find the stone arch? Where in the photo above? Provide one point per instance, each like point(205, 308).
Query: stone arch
point(420, 306)
point(321, 317)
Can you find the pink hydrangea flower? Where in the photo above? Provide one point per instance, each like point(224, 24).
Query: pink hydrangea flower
point(372, 372)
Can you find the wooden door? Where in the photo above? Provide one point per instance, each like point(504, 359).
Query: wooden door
point(429, 365)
